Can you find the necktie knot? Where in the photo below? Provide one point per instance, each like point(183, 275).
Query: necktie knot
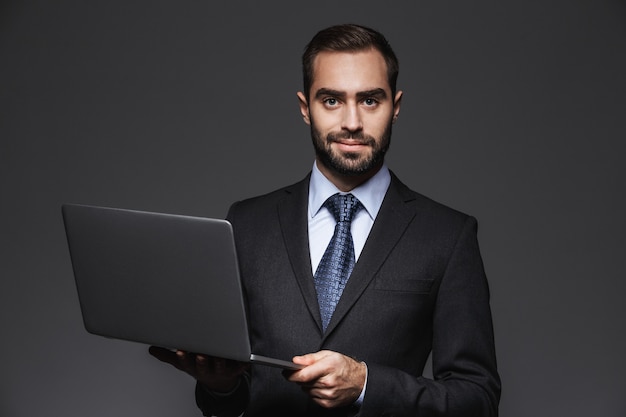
point(343, 207)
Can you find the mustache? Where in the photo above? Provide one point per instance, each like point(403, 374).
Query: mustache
point(359, 136)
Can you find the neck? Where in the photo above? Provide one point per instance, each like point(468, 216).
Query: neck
point(346, 182)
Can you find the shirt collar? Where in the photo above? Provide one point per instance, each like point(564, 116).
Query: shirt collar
point(371, 193)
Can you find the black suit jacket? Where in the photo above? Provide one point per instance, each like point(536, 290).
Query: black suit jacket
point(419, 285)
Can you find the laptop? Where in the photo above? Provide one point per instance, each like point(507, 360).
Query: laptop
point(160, 279)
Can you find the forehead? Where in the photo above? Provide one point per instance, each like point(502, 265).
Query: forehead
point(350, 71)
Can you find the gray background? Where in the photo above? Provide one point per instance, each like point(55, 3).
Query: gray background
point(513, 112)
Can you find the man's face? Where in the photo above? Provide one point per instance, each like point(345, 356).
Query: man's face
point(350, 110)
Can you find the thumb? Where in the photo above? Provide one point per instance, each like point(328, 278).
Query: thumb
point(305, 360)
point(309, 358)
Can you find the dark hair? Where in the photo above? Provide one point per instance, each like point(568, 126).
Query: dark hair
point(348, 38)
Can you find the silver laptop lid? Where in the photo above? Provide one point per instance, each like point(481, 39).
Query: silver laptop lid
point(161, 279)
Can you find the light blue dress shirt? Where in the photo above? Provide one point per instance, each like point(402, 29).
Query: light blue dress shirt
point(321, 221)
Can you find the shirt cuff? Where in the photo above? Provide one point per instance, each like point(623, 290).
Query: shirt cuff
point(359, 400)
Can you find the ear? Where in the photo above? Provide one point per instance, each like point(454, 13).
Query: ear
point(304, 107)
point(396, 105)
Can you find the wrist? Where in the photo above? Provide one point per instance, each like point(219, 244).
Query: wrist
point(222, 389)
point(359, 400)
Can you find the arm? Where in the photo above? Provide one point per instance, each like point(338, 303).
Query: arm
point(222, 384)
point(466, 382)
point(230, 404)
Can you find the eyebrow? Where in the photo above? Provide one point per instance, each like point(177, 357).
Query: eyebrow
point(376, 92)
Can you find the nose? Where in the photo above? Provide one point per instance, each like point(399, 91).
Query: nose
point(351, 118)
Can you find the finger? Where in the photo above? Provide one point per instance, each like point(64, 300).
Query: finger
point(164, 355)
point(237, 367)
point(186, 361)
point(219, 365)
point(317, 365)
point(215, 365)
point(309, 377)
point(202, 366)
point(202, 361)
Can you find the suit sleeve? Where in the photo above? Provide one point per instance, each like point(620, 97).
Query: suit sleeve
point(224, 405)
point(466, 382)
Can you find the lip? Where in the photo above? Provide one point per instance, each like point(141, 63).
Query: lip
point(350, 145)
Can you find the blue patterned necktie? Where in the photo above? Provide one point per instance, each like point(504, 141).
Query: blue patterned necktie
point(336, 265)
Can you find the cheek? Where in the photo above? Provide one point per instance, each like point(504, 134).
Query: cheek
point(376, 126)
point(325, 123)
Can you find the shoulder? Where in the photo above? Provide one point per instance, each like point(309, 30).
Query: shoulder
point(424, 206)
point(265, 205)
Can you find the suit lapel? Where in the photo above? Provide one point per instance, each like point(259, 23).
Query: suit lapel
point(292, 215)
point(393, 218)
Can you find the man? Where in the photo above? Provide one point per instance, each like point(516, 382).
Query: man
point(416, 284)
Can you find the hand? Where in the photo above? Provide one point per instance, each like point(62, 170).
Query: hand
point(216, 374)
point(330, 378)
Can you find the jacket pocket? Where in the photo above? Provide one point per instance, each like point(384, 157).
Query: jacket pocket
point(404, 284)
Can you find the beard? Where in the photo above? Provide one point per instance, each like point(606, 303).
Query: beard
point(351, 163)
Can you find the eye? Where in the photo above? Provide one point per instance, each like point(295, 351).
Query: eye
point(330, 102)
point(370, 102)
